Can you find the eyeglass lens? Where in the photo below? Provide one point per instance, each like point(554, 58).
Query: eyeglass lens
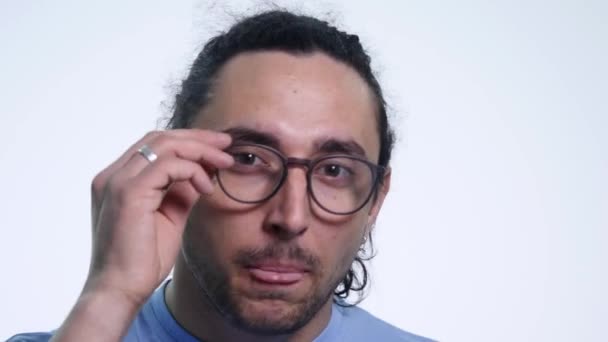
point(339, 184)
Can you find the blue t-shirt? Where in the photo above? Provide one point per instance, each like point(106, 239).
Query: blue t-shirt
point(155, 323)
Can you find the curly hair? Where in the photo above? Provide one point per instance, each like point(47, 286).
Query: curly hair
point(281, 30)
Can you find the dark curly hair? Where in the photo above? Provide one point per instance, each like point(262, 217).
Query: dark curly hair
point(298, 34)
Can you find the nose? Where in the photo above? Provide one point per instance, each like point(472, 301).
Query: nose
point(289, 213)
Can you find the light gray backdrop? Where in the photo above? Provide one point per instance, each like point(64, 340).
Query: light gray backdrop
point(496, 228)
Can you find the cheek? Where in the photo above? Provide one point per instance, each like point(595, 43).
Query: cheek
point(341, 243)
point(217, 233)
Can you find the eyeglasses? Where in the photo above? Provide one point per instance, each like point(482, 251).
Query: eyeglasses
point(339, 184)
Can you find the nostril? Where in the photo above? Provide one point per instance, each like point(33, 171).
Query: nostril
point(284, 232)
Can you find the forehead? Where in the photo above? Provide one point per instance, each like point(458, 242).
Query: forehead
point(299, 99)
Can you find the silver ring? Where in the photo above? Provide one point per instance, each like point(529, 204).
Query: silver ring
point(147, 153)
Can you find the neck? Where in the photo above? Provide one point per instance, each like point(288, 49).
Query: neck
point(193, 311)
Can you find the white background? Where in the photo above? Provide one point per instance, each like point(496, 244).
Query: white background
point(497, 225)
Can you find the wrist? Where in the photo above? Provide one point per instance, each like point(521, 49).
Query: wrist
point(101, 288)
point(98, 315)
point(110, 300)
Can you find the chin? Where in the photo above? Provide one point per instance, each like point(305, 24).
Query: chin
point(261, 310)
point(271, 316)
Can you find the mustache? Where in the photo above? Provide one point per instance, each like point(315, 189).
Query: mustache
point(293, 253)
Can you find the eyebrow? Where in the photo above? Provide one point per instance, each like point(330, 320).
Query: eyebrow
point(327, 145)
point(341, 146)
point(244, 134)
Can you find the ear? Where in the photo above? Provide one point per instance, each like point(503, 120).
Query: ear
point(379, 199)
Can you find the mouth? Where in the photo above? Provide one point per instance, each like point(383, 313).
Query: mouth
point(277, 273)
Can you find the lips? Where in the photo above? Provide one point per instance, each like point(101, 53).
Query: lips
point(277, 273)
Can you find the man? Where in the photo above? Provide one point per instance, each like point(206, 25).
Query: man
point(261, 194)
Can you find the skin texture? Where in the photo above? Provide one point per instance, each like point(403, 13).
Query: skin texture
point(302, 101)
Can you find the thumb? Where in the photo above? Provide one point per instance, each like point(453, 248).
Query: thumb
point(178, 201)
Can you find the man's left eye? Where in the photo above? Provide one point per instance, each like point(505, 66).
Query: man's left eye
point(333, 170)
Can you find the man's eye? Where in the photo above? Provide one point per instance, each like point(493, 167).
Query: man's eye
point(333, 170)
point(245, 158)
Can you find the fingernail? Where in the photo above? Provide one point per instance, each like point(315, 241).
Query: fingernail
point(229, 159)
point(225, 137)
point(207, 187)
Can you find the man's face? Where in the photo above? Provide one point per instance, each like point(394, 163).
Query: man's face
point(271, 266)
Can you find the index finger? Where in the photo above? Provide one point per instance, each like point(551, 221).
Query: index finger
point(217, 139)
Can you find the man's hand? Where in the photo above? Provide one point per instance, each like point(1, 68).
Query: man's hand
point(139, 210)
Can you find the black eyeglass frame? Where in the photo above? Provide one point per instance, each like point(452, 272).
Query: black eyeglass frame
point(377, 171)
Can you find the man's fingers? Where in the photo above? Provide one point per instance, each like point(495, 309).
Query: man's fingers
point(219, 140)
point(187, 149)
point(178, 201)
point(157, 177)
